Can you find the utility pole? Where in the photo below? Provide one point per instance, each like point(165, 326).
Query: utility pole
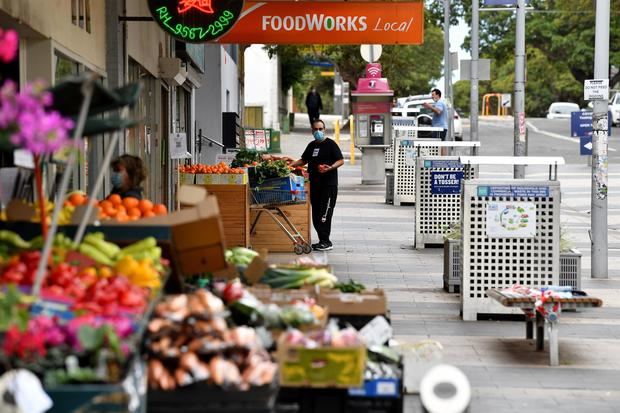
point(473, 95)
point(519, 108)
point(447, 94)
point(599, 146)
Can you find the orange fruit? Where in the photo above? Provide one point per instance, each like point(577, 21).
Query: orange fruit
point(121, 209)
point(115, 199)
point(160, 209)
point(148, 214)
point(77, 199)
point(134, 212)
point(110, 211)
point(130, 202)
point(122, 217)
point(145, 205)
point(106, 204)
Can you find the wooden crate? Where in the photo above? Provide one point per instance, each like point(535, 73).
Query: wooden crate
point(269, 235)
point(234, 206)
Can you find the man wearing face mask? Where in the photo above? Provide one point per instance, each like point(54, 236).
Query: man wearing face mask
point(323, 157)
point(127, 175)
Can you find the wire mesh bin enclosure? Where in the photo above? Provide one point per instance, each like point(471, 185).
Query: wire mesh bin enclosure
point(570, 268)
point(389, 156)
point(511, 234)
point(404, 167)
point(452, 251)
point(438, 196)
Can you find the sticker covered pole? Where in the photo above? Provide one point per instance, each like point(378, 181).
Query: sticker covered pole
point(599, 146)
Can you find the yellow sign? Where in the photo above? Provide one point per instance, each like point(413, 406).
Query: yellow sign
point(327, 74)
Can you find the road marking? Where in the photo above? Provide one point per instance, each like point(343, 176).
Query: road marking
point(558, 136)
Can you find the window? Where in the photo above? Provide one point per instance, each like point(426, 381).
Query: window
point(80, 14)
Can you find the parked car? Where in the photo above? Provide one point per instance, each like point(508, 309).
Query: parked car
point(614, 108)
point(561, 110)
point(425, 116)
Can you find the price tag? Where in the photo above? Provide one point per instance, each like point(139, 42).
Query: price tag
point(377, 332)
point(259, 140)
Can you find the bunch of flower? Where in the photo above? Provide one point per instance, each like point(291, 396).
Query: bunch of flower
point(27, 120)
point(8, 45)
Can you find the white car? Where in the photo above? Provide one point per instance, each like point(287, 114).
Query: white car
point(562, 110)
point(426, 115)
point(614, 108)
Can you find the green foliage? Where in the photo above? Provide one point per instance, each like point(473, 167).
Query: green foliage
point(559, 47)
point(13, 309)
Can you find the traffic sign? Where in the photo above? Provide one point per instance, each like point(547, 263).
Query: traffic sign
point(581, 124)
point(371, 52)
point(585, 145)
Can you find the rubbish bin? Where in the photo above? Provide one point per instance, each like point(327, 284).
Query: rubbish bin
point(389, 187)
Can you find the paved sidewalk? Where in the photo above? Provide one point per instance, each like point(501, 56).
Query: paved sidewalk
point(372, 244)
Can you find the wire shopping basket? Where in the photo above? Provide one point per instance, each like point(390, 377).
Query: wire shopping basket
point(273, 197)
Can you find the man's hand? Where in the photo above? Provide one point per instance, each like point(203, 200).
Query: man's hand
point(324, 168)
point(427, 105)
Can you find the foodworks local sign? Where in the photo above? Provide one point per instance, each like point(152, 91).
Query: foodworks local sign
point(328, 23)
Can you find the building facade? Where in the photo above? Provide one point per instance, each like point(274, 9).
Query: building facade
point(113, 38)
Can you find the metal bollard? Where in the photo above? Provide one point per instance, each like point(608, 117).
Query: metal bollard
point(337, 131)
point(352, 144)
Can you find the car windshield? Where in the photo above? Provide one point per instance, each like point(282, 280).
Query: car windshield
point(567, 108)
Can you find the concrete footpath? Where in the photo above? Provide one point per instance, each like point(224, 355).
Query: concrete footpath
point(372, 245)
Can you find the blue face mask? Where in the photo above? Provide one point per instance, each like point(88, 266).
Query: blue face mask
point(117, 179)
point(318, 135)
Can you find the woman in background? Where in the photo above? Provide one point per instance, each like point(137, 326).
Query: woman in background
point(128, 173)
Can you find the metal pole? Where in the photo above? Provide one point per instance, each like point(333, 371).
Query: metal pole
point(519, 110)
point(473, 94)
point(447, 67)
point(352, 141)
point(599, 146)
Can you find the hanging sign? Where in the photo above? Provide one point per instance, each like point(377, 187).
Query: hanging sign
point(177, 142)
point(446, 182)
point(511, 220)
point(291, 22)
point(195, 21)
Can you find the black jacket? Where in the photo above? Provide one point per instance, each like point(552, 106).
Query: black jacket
point(313, 102)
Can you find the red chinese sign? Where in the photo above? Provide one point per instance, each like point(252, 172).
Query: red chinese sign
point(202, 5)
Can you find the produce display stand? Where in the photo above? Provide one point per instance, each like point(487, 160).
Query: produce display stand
point(234, 203)
point(438, 192)
point(510, 233)
point(270, 233)
point(547, 316)
point(405, 166)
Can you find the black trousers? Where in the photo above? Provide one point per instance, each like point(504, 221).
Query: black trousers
point(323, 201)
point(312, 115)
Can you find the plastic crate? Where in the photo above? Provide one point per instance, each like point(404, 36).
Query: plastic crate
point(452, 270)
point(570, 268)
point(201, 397)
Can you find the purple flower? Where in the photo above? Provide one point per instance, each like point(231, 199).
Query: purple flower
point(8, 45)
point(30, 125)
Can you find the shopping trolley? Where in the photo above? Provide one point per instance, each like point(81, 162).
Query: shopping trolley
point(270, 201)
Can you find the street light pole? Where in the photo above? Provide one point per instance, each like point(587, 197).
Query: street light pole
point(473, 95)
point(447, 66)
point(599, 146)
point(519, 108)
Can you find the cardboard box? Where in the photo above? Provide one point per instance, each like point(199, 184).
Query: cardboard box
point(341, 367)
point(207, 179)
point(371, 302)
point(234, 179)
point(197, 233)
point(187, 178)
point(280, 296)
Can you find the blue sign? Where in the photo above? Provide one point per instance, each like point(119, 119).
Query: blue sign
point(377, 388)
point(443, 164)
point(585, 145)
point(502, 2)
point(319, 63)
point(581, 124)
point(514, 191)
point(446, 182)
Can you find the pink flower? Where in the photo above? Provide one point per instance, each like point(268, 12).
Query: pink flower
point(30, 125)
point(8, 45)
